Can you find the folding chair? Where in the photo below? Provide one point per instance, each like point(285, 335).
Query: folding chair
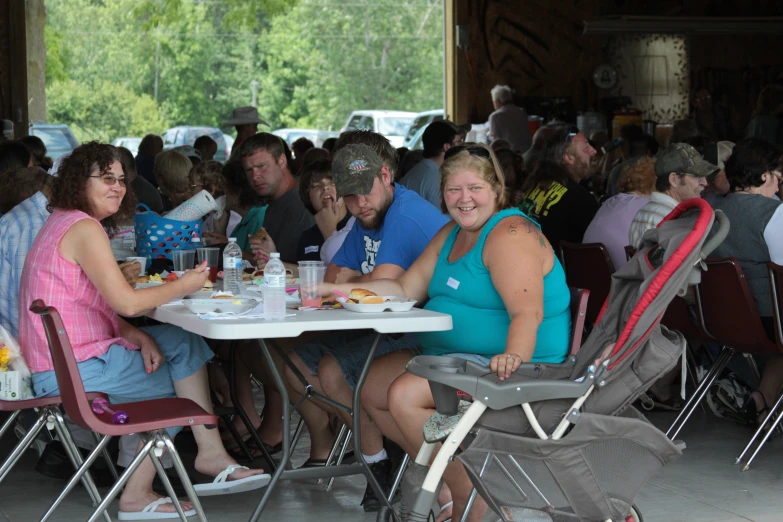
point(728, 315)
point(149, 419)
point(579, 302)
point(588, 266)
point(776, 288)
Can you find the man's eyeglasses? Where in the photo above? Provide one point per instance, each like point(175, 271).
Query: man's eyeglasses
point(110, 180)
point(473, 150)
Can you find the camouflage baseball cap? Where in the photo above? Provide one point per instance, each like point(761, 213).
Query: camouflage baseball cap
point(682, 159)
point(354, 169)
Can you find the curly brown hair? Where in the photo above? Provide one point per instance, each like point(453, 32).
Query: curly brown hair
point(209, 175)
point(69, 191)
point(639, 176)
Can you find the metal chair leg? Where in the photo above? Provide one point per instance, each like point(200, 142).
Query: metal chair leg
point(760, 429)
point(10, 422)
point(398, 479)
point(22, 446)
point(183, 476)
point(76, 458)
point(107, 458)
point(78, 476)
point(165, 479)
point(720, 363)
point(340, 456)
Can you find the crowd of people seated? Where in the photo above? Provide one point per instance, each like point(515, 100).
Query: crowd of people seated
point(465, 229)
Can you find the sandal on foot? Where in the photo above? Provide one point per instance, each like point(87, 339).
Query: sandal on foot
point(750, 411)
point(150, 512)
point(443, 508)
point(222, 486)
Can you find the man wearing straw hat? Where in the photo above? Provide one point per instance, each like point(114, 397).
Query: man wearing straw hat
point(245, 120)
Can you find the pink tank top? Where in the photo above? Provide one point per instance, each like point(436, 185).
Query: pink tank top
point(90, 322)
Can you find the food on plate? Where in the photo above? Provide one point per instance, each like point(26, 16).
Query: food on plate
point(332, 304)
point(143, 279)
point(246, 276)
point(155, 279)
point(223, 295)
point(362, 296)
point(207, 286)
point(236, 302)
point(171, 277)
point(260, 235)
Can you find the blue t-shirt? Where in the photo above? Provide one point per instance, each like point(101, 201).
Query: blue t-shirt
point(409, 225)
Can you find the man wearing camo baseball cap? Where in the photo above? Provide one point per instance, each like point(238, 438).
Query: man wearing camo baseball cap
point(681, 174)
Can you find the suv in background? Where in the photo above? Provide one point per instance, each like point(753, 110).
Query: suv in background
point(57, 137)
point(186, 135)
point(419, 122)
point(392, 124)
point(318, 137)
point(132, 144)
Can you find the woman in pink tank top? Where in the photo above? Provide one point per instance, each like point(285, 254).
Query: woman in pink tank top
point(71, 267)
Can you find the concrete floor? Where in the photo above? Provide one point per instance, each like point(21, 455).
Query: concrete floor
point(703, 486)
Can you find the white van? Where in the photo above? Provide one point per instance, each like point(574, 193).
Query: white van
point(392, 124)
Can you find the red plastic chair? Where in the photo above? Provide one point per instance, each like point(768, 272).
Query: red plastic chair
point(149, 419)
point(728, 315)
point(588, 266)
point(579, 300)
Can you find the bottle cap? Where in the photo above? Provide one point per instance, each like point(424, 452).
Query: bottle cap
point(196, 240)
point(274, 255)
point(232, 240)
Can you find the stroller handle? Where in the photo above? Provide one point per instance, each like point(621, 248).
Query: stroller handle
point(446, 375)
point(721, 231)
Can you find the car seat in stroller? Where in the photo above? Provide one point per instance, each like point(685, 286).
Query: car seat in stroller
point(561, 442)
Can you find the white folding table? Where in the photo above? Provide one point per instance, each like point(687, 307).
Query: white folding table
point(417, 320)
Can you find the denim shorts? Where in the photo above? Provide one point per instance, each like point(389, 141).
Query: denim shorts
point(121, 375)
point(350, 348)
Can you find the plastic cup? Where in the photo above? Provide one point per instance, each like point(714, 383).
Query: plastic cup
point(183, 260)
point(212, 257)
point(311, 274)
point(142, 261)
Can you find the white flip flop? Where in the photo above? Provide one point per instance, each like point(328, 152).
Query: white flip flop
point(443, 508)
point(222, 486)
point(150, 512)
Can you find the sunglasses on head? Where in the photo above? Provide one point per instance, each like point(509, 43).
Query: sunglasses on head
point(572, 131)
point(473, 150)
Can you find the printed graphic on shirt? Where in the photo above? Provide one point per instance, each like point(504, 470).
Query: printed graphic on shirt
point(311, 249)
point(453, 283)
point(370, 253)
point(538, 202)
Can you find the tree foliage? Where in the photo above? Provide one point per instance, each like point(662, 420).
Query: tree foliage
point(129, 67)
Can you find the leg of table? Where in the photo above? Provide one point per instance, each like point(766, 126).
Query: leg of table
point(357, 433)
point(232, 385)
point(286, 431)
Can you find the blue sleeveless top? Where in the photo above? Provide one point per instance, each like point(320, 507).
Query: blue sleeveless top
point(464, 290)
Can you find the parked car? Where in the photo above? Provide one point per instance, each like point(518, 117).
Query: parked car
point(316, 136)
point(392, 124)
point(187, 135)
point(229, 144)
point(420, 122)
point(57, 137)
point(132, 144)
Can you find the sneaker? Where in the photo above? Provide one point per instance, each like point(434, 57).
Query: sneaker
point(382, 472)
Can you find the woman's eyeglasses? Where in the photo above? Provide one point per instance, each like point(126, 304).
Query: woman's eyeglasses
point(110, 180)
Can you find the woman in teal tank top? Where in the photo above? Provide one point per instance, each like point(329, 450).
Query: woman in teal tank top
point(495, 273)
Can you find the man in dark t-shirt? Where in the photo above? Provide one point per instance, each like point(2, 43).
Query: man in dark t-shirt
point(319, 194)
point(266, 166)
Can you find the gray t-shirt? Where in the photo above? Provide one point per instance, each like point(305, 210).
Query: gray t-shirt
point(286, 218)
point(424, 179)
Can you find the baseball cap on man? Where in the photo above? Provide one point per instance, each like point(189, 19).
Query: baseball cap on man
point(354, 169)
point(681, 158)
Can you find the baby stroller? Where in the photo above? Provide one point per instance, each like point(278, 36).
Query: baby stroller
point(561, 443)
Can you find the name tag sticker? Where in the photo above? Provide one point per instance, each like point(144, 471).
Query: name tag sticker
point(453, 283)
point(311, 249)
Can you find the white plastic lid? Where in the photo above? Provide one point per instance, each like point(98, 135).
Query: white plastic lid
point(274, 255)
point(232, 240)
point(196, 240)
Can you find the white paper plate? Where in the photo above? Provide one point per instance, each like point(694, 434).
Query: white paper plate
point(148, 285)
point(202, 306)
point(201, 294)
point(392, 303)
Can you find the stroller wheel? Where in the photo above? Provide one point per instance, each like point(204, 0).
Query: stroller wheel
point(635, 515)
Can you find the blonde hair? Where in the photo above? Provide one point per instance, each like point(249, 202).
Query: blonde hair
point(171, 171)
point(487, 168)
point(639, 176)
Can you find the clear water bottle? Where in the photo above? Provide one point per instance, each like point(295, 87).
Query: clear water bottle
point(232, 267)
point(274, 288)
